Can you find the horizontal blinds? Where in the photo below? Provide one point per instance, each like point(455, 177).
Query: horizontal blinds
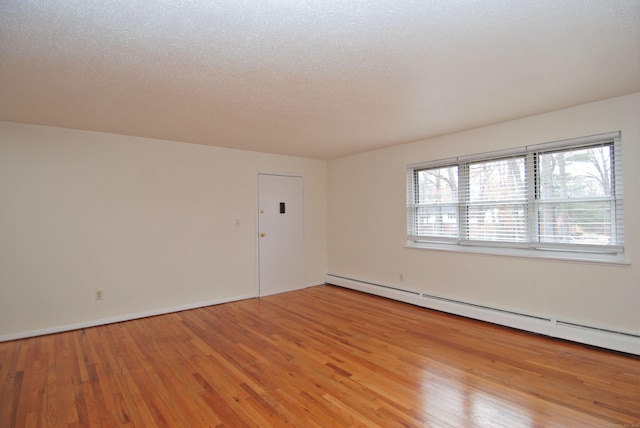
point(435, 195)
point(494, 199)
point(563, 195)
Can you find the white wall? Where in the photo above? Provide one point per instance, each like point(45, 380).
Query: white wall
point(367, 226)
point(152, 223)
point(149, 222)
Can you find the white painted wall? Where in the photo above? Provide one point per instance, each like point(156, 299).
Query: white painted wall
point(367, 226)
point(151, 223)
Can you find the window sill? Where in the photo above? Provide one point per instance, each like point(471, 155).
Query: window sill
point(615, 259)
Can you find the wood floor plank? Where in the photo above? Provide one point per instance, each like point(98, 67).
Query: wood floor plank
point(318, 357)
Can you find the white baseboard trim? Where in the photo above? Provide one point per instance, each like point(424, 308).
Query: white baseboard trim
point(315, 284)
point(120, 318)
point(614, 340)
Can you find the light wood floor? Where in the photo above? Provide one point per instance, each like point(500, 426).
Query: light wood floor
point(319, 357)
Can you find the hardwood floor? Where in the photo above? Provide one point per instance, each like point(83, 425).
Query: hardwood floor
point(319, 357)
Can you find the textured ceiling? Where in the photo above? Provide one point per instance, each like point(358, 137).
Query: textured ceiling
point(313, 78)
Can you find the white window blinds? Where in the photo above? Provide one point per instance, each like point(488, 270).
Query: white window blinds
point(564, 196)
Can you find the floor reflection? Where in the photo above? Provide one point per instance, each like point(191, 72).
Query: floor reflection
point(461, 401)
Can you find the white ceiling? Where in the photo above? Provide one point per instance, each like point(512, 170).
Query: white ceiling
point(312, 78)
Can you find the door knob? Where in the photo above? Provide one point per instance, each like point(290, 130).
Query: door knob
point(262, 235)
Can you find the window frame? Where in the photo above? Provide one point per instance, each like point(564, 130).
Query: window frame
point(533, 246)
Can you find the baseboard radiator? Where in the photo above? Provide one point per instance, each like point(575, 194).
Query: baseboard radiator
point(614, 340)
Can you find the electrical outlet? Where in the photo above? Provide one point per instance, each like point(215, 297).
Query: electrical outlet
point(401, 277)
point(98, 294)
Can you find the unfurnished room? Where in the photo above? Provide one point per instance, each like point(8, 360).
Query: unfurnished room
point(331, 213)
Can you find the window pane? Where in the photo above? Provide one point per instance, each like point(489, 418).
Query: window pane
point(576, 173)
point(437, 197)
point(494, 186)
point(506, 223)
point(576, 223)
point(438, 221)
point(497, 180)
point(437, 185)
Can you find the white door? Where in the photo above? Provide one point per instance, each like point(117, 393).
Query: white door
point(281, 237)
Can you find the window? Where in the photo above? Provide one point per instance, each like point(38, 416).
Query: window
point(561, 199)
